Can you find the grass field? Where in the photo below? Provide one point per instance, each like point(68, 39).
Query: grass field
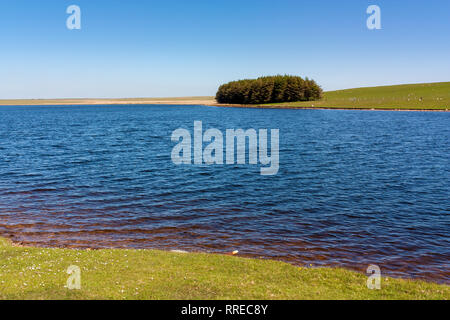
point(36, 273)
point(428, 96)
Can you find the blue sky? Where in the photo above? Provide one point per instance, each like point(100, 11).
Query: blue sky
point(139, 48)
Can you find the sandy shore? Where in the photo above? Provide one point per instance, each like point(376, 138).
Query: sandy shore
point(120, 101)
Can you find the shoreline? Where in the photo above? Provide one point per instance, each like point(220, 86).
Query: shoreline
point(20, 244)
point(119, 274)
point(420, 97)
point(192, 101)
point(207, 104)
point(327, 108)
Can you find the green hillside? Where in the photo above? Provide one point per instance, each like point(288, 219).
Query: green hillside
point(426, 96)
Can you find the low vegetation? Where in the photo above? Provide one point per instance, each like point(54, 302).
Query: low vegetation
point(37, 273)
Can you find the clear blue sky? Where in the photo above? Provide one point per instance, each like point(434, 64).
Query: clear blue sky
point(139, 48)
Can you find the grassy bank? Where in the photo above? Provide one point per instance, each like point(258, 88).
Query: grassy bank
point(36, 273)
point(428, 96)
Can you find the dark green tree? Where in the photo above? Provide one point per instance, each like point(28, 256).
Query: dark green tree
point(271, 89)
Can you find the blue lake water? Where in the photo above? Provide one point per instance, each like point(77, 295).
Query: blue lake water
point(354, 187)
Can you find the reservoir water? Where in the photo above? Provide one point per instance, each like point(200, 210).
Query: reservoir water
point(354, 187)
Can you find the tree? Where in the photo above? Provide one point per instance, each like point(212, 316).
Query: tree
point(272, 89)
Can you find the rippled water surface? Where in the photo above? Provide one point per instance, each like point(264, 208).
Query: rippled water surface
point(354, 187)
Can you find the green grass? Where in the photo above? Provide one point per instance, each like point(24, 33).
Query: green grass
point(37, 273)
point(427, 96)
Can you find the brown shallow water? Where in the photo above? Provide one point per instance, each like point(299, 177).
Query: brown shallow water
point(193, 238)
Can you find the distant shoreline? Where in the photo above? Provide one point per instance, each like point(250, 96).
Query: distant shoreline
point(190, 101)
point(120, 101)
point(410, 97)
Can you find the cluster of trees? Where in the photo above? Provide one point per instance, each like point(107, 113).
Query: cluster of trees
point(271, 89)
